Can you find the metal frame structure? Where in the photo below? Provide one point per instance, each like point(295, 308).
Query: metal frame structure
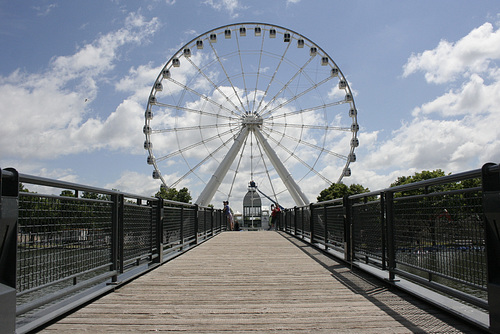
point(259, 90)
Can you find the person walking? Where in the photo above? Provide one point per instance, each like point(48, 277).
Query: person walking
point(228, 214)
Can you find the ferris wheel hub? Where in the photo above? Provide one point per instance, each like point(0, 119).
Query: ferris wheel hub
point(252, 120)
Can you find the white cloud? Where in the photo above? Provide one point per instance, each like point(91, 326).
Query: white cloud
point(449, 61)
point(231, 6)
point(45, 115)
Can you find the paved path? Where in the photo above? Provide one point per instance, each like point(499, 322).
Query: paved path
point(257, 282)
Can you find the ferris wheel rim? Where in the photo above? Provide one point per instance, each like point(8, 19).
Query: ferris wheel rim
point(234, 128)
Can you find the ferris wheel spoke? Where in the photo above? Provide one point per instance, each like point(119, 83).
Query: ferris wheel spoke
point(213, 84)
point(305, 110)
point(258, 74)
point(292, 154)
point(237, 167)
point(306, 143)
point(257, 110)
point(295, 97)
point(308, 126)
point(228, 78)
point(202, 96)
point(192, 170)
point(285, 86)
point(189, 147)
point(267, 172)
point(196, 111)
point(195, 127)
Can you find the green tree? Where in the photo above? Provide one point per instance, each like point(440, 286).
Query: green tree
point(67, 193)
point(339, 190)
point(417, 177)
point(173, 194)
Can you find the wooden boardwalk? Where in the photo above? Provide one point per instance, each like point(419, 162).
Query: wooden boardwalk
point(257, 282)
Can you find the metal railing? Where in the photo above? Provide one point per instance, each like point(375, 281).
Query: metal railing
point(431, 233)
point(76, 242)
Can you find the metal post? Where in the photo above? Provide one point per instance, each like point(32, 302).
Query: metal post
point(9, 209)
point(391, 253)
point(325, 220)
point(159, 229)
point(295, 220)
point(196, 224)
point(311, 223)
point(491, 208)
point(348, 236)
point(383, 228)
point(182, 228)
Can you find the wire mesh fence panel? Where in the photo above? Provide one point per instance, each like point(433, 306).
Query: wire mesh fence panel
point(441, 237)
point(59, 237)
point(335, 225)
point(367, 229)
point(137, 231)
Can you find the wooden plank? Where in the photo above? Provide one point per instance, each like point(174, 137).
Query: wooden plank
point(248, 282)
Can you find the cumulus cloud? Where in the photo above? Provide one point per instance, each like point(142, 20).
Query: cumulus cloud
point(230, 6)
point(47, 114)
point(457, 130)
point(473, 54)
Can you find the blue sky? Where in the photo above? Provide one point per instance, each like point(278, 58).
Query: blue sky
point(75, 77)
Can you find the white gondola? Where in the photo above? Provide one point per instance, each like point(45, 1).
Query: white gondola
point(158, 87)
point(146, 129)
point(148, 115)
point(313, 51)
point(354, 142)
point(165, 73)
point(352, 157)
point(187, 52)
point(272, 33)
point(334, 72)
point(300, 43)
point(176, 62)
point(258, 31)
point(152, 100)
point(353, 112)
point(199, 44)
point(151, 160)
point(162, 186)
point(156, 175)
point(348, 97)
point(347, 172)
point(355, 127)
point(342, 84)
point(324, 61)
point(286, 37)
point(227, 33)
point(213, 38)
point(148, 145)
point(243, 31)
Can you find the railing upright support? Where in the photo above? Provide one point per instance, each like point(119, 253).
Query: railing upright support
point(383, 228)
point(348, 235)
point(159, 229)
point(491, 208)
point(196, 222)
point(182, 229)
point(9, 210)
point(311, 223)
point(391, 251)
point(325, 220)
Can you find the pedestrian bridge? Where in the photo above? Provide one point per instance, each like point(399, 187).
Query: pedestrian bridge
point(405, 259)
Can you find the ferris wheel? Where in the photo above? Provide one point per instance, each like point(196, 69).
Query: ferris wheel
point(251, 101)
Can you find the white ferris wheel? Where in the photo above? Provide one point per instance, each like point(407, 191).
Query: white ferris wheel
point(251, 102)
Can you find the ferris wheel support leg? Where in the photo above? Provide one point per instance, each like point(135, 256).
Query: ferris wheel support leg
point(298, 196)
point(208, 193)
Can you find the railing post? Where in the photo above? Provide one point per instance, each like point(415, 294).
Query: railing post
point(325, 220)
point(348, 235)
point(159, 229)
point(117, 235)
point(9, 210)
point(295, 220)
point(182, 228)
point(491, 208)
point(196, 223)
point(311, 223)
point(383, 229)
point(391, 252)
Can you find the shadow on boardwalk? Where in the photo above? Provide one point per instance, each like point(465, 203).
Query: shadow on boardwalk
point(412, 313)
point(256, 282)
